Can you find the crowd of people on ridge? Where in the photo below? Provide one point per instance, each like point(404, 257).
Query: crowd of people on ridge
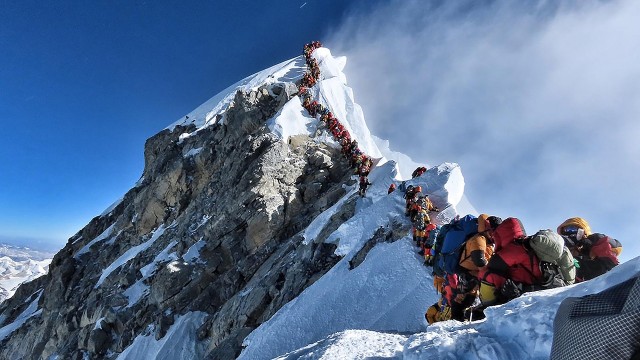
point(361, 162)
point(484, 261)
point(477, 261)
point(418, 206)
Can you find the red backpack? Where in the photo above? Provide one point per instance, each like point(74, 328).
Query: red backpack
point(507, 231)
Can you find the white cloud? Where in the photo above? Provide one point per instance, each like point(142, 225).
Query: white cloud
point(539, 103)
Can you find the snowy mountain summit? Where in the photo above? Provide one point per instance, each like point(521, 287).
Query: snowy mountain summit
point(246, 237)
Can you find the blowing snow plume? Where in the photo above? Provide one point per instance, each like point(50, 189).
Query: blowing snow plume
point(538, 101)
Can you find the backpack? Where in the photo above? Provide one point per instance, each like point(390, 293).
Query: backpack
point(556, 262)
point(509, 230)
point(420, 220)
point(547, 245)
point(435, 249)
point(616, 246)
point(433, 234)
point(459, 231)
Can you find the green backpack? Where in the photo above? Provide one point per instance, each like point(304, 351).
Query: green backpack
point(556, 261)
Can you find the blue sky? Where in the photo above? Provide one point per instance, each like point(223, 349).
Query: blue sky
point(538, 102)
point(84, 84)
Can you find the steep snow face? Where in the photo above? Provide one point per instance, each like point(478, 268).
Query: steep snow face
point(30, 311)
point(520, 329)
point(18, 265)
point(213, 109)
point(331, 91)
point(179, 342)
point(389, 291)
point(292, 120)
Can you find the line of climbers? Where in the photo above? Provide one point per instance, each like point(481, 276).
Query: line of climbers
point(484, 261)
point(477, 261)
point(357, 158)
point(418, 207)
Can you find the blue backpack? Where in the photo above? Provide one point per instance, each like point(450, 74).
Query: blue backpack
point(433, 234)
point(435, 250)
point(459, 231)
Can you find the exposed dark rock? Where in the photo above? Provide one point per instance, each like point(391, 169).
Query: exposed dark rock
point(212, 226)
point(383, 234)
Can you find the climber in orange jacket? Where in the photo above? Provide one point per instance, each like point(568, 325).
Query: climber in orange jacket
point(479, 248)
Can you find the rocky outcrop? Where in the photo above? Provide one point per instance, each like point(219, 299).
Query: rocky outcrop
point(212, 226)
point(390, 234)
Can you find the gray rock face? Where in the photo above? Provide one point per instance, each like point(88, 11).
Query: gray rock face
point(212, 227)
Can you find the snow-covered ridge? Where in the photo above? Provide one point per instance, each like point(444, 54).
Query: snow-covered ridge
point(213, 109)
point(332, 91)
point(386, 292)
point(520, 329)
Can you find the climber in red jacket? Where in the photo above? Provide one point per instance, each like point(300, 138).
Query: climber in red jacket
point(510, 266)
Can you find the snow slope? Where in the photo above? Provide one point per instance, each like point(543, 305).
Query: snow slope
point(178, 343)
point(30, 311)
point(206, 114)
point(520, 329)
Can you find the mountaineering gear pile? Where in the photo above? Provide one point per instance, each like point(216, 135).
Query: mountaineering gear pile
point(361, 162)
